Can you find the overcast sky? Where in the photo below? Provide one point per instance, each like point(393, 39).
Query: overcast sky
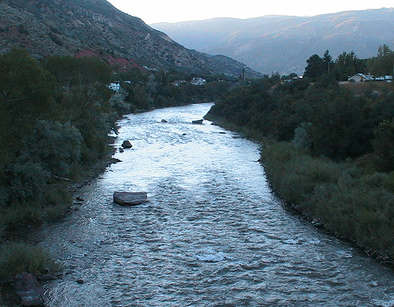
point(180, 10)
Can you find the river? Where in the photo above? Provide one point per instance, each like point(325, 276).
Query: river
point(212, 234)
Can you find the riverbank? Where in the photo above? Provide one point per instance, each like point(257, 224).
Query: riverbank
point(19, 256)
point(344, 199)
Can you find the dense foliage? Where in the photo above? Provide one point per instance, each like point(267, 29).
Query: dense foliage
point(335, 122)
point(336, 164)
point(54, 123)
point(348, 201)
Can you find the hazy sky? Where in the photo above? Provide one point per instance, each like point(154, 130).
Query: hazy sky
point(180, 10)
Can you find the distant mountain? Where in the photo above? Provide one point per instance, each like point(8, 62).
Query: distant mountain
point(95, 27)
point(284, 43)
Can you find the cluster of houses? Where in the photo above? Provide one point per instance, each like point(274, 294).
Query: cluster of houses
point(115, 86)
point(358, 78)
point(194, 81)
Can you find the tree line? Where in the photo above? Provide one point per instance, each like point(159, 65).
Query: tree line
point(348, 64)
point(327, 118)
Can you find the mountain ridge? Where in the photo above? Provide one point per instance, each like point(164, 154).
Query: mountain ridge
point(96, 27)
point(283, 43)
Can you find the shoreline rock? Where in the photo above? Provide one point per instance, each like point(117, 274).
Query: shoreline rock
point(28, 289)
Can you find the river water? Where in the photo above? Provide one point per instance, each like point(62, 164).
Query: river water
point(213, 234)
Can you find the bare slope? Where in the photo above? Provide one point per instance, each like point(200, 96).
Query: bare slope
point(78, 27)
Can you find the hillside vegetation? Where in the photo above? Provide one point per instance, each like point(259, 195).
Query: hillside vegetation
point(328, 150)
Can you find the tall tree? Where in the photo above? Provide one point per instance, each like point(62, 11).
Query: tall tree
point(347, 64)
point(315, 68)
point(384, 145)
point(383, 63)
point(327, 59)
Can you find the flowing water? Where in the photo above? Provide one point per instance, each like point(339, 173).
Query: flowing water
point(213, 234)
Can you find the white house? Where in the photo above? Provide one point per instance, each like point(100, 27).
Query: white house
point(178, 82)
point(198, 81)
point(386, 78)
point(357, 78)
point(114, 86)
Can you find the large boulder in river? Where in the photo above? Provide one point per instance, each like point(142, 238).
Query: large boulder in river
point(130, 198)
point(127, 144)
point(28, 289)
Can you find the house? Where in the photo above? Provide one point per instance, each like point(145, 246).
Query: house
point(150, 69)
point(357, 78)
point(114, 86)
point(198, 81)
point(178, 82)
point(386, 78)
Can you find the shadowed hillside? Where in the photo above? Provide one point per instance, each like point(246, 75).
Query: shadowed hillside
point(87, 27)
point(282, 43)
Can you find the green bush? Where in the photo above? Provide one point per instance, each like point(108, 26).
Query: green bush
point(384, 145)
point(58, 200)
point(56, 146)
point(28, 182)
point(388, 182)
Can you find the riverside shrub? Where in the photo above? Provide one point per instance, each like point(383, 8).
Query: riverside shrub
point(348, 202)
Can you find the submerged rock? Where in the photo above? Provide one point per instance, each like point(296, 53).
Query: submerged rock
point(130, 198)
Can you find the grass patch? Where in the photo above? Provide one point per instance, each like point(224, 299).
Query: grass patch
point(19, 257)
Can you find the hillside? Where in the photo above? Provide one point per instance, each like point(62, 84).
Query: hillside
point(283, 43)
point(95, 27)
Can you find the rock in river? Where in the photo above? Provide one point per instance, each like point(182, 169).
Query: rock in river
point(127, 144)
point(130, 198)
